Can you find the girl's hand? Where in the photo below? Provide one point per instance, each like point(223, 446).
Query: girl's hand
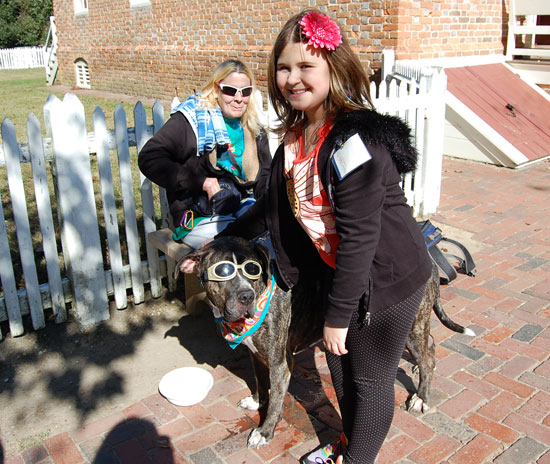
point(334, 339)
point(211, 186)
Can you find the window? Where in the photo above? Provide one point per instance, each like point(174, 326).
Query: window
point(82, 74)
point(80, 6)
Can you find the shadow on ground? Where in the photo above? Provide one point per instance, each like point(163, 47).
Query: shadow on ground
point(60, 378)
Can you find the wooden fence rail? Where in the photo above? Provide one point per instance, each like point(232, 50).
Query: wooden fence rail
point(88, 252)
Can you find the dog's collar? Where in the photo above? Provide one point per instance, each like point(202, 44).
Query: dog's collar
point(234, 332)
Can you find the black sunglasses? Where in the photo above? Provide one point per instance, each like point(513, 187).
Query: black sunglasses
point(226, 270)
point(231, 91)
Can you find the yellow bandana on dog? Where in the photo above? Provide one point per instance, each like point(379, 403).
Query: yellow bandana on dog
point(234, 332)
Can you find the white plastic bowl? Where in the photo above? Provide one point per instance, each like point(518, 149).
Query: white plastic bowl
point(186, 386)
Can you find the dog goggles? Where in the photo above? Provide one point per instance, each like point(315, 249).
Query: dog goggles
point(231, 91)
point(226, 270)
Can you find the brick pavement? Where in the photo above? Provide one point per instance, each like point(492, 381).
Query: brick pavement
point(491, 393)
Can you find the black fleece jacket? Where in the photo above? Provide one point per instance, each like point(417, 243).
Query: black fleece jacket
point(381, 258)
point(170, 160)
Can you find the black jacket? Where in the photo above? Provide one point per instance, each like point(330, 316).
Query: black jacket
point(381, 258)
point(170, 160)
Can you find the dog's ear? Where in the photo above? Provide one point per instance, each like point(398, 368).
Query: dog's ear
point(195, 256)
point(265, 259)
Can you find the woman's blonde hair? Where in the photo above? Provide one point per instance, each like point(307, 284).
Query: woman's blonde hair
point(208, 98)
point(349, 84)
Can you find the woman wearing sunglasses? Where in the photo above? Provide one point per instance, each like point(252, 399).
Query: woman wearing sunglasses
point(211, 156)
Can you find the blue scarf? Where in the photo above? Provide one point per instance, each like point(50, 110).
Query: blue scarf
point(208, 124)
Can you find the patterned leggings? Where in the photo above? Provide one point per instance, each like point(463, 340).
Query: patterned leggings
point(364, 378)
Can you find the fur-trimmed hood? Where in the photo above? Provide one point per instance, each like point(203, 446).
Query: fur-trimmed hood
point(377, 129)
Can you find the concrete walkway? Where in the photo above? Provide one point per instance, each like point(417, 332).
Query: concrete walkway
point(491, 393)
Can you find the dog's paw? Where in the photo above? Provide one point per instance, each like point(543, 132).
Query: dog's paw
point(417, 405)
point(256, 439)
point(249, 403)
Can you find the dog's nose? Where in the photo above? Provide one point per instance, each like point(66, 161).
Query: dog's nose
point(246, 297)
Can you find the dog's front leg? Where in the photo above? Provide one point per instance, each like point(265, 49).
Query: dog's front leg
point(261, 395)
point(279, 376)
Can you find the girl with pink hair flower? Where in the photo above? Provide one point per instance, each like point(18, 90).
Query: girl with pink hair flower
point(335, 210)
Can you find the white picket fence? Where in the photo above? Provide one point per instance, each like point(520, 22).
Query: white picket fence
point(22, 58)
point(417, 94)
point(77, 277)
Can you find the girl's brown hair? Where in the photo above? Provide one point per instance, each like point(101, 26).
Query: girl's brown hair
point(349, 83)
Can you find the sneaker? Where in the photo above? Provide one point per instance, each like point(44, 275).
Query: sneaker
point(328, 453)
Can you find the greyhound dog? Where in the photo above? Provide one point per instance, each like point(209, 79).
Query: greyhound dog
point(236, 274)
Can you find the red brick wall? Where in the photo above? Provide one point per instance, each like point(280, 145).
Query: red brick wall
point(170, 46)
point(449, 28)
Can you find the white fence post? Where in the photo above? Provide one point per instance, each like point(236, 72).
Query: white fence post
point(21, 217)
point(166, 220)
point(109, 208)
point(388, 61)
point(128, 202)
point(53, 169)
point(44, 207)
point(147, 204)
point(434, 131)
point(76, 196)
point(7, 277)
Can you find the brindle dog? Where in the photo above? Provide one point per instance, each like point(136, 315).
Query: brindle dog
point(293, 323)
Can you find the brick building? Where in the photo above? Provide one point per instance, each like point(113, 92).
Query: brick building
point(154, 48)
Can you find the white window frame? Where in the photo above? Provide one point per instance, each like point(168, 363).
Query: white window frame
point(82, 73)
point(80, 6)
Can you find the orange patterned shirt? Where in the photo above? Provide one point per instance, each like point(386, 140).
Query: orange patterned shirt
point(307, 196)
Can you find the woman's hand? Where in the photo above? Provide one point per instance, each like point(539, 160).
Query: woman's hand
point(334, 339)
point(211, 186)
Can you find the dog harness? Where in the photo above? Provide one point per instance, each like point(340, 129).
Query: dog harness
point(234, 332)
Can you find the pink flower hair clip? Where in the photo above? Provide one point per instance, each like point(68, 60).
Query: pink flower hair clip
point(321, 30)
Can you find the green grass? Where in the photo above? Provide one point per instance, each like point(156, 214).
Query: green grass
point(23, 92)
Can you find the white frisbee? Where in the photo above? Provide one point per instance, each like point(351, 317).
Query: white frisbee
point(186, 386)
